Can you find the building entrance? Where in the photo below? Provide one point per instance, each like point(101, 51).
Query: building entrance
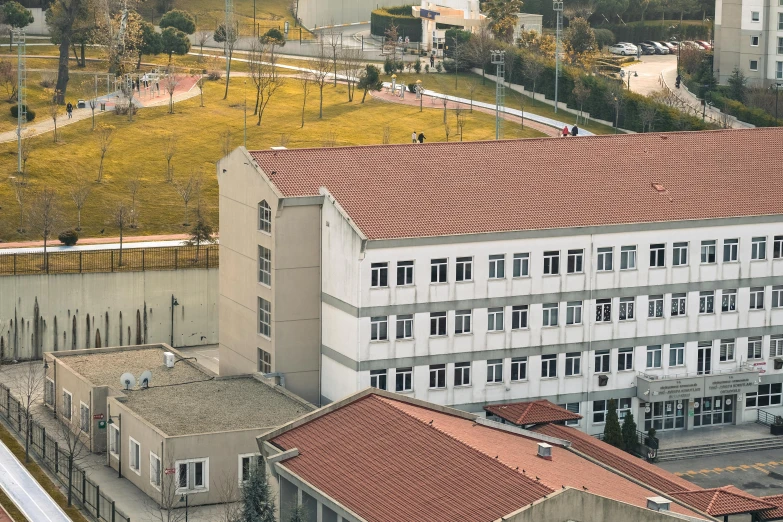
point(712, 411)
point(665, 415)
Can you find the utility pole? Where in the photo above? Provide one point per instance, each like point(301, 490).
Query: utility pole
point(557, 5)
point(498, 59)
point(18, 36)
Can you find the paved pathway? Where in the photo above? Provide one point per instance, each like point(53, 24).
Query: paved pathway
point(26, 492)
point(102, 241)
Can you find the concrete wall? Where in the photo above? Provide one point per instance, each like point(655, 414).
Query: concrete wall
point(126, 308)
point(317, 13)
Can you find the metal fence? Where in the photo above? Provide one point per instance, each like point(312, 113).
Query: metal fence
point(85, 493)
point(112, 260)
point(765, 417)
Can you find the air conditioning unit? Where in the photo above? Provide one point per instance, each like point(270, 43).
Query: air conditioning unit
point(168, 359)
point(778, 363)
point(658, 503)
point(544, 451)
point(603, 380)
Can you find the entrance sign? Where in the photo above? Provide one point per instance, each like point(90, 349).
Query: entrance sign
point(650, 389)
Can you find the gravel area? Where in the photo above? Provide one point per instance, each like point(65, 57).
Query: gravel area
point(104, 369)
point(216, 405)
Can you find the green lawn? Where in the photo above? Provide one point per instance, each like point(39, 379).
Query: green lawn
point(138, 148)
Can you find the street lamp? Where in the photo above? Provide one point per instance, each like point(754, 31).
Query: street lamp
point(616, 112)
point(174, 303)
point(420, 94)
point(557, 6)
point(636, 74)
point(184, 498)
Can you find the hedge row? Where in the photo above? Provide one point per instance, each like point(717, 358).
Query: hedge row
point(754, 116)
point(656, 31)
point(407, 25)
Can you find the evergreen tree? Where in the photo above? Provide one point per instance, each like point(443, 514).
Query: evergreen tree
point(298, 514)
point(257, 502)
point(629, 433)
point(612, 432)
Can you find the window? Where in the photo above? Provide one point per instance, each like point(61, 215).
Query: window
point(495, 319)
point(758, 248)
point(626, 308)
point(603, 310)
point(728, 300)
point(550, 314)
point(754, 347)
point(777, 296)
point(378, 379)
point(708, 251)
point(518, 368)
point(264, 317)
point(84, 417)
point(521, 265)
point(379, 277)
point(654, 356)
point(573, 363)
point(602, 361)
point(437, 323)
point(404, 379)
point(405, 327)
point(462, 374)
point(657, 255)
point(49, 392)
point(779, 67)
point(462, 320)
point(628, 258)
point(114, 440)
point(777, 242)
point(404, 273)
point(623, 407)
point(575, 260)
point(754, 16)
point(439, 270)
point(192, 475)
point(677, 354)
point(437, 376)
point(780, 45)
point(605, 255)
point(727, 350)
point(379, 328)
point(464, 269)
point(134, 453)
point(776, 346)
point(780, 18)
point(757, 298)
point(551, 262)
point(624, 359)
point(655, 306)
point(519, 317)
point(264, 266)
point(497, 266)
point(754, 41)
point(573, 407)
point(264, 361)
point(67, 404)
point(549, 366)
point(730, 250)
point(495, 370)
point(680, 254)
point(574, 312)
point(768, 395)
point(754, 65)
point(707, 302)
point(678, 304)
point(599, 411)
point(154, 471)
point(248, 464)
point(264, 217)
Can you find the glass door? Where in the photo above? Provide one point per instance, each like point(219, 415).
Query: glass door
point(704, 362)
point(665, 415)
point(710, 411)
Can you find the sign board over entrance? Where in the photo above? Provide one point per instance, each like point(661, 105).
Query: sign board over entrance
point(649, 389)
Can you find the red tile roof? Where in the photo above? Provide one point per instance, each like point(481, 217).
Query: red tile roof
point(727, 500)
point(533, 412)
point(775, 513)
point(618, 459)
point(398, 191)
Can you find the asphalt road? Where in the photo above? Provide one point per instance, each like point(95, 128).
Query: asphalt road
point(758, 472)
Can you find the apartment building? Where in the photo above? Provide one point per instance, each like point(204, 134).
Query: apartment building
point(642, 268)
point(749, 37)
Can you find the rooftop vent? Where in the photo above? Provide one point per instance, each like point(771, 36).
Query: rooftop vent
point(278, 148)
point(168, 359)
point(658, 187)
point(544, 451)
point(658, 503)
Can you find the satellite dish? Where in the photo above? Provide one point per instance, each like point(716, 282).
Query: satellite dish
point(145, 378)
point(127, 380)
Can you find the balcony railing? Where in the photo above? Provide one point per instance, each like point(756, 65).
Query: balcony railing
point(740, 368)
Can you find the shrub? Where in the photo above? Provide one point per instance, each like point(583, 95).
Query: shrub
point(449, 65)
point(15, 112)
point(417, 66)
point(215, 75)
point(603, 37)
point(388, 66)
point(47, 81)
point(439, 67)
point(411, 87)
point(401, 16)
point(68, 237)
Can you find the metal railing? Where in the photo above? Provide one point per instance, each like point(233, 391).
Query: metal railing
point(742, 367)
point(110, 260)
point(646, 447)
point(86, 494)
point(766, 418)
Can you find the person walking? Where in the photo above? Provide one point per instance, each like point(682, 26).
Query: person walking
point(69, 110)
point(432, 59)
point(574, 131)
point(565, 131)
point(421, 137)
point(413, 137)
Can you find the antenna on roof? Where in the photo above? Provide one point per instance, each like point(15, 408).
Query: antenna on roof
point(127, 380)
point(145, 378)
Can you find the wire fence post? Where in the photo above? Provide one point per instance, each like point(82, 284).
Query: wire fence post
point(56, 458)
point(175, 259)
point(80, 261)
point(97, 501)
point(84, 488)
point(208, 258)
point(142, 259)
point(112, 260)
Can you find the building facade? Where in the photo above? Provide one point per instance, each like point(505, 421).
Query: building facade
point(679, 320)
point(749, 37)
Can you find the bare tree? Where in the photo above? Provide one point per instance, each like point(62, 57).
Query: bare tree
point(228, 497)
point(169, 149)
point(352, 69)
point(447, 129)
point(459, 112)
point(80, 191)
point(305, 81)
point(269, 84)
point(71, 445)
point(319, 67)
point(581, 94)
point(479, 48)
point(647, 113)
point(26, 381)
point(229, 39)
point(170, 82)
point(20, 194)
point(105, 137)
point(54, 112)
point(134, 185)
point(167, 507)
point(200, 85)
point(127, 90)
point(335, 38)
point(225, 142)
point(188, 190)
point(534, 68)
point(202, 37)
point(472, 86)
point(386, 134)
point(121, 218)
point(255, 67)
point(44, 217)
point(27, 149)
point(392, 37)
point(445, 107)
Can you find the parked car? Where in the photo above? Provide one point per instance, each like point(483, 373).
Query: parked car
point(706, 45)
point(659, 49)
point(671, 45)
point(623, 48)
point(688, 44)
point(646, 48)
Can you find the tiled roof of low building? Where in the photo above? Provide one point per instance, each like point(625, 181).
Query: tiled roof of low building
point(533, 412)
point(775, 513)
point(438, 189)
point(618, 459)
point(727, 500)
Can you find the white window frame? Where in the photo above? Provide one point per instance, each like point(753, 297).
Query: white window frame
point(378, 272)
point(627, 309)
point(264, 361)
point(730, 296)
point(727, 350)
point(264, 318)
point(605, 259)
point(680, 253)
point(407, 379)
point(264, 217)
point(777, 241)
point(677, 352)
point(131, 443)
point(602, 306)
point(495, 319)
point(519, 366)
point(653, 301)
point(707, 302)
point(600, 413)
point(628, 257)
point(114, 441)
point(376, 376)
point(550, 312)
point(625, 359)
point(406, 273)
point(438, 320)
point(731, 250)
point(463, 322)
point(407, 327)
point(497, 266)
point(779, 68)
point(154, 457)
point(755, 348)
point(754, 39)
point(49, 392)
point(755, 16)
point(658, 255)
point(549, 366)
point(465, 265)
point(462, 374)
point(379, 328)
point(575, 262)
point(752, 67)
point(602, 360)
point(264, 266)
point(552, 262)
point(573, 407)
point(191, 463)
point(654, 357)
point(758, 248)
point(777, 296)
point(520, 315)
point(439, 271)
point(521, 265)
point(69, 409)
point(573, 364)
point(776, 346)
point(253, 458)
point(574, 313)
point(756, 298)
point(494, 371)
point(681, 301)
point(709, 252)
point(84, 419)
point(438, 376)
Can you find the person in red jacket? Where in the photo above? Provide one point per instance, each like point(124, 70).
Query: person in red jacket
point(565, 131)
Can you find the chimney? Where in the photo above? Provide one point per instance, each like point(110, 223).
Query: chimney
point(658, 503)
point(544, 451)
